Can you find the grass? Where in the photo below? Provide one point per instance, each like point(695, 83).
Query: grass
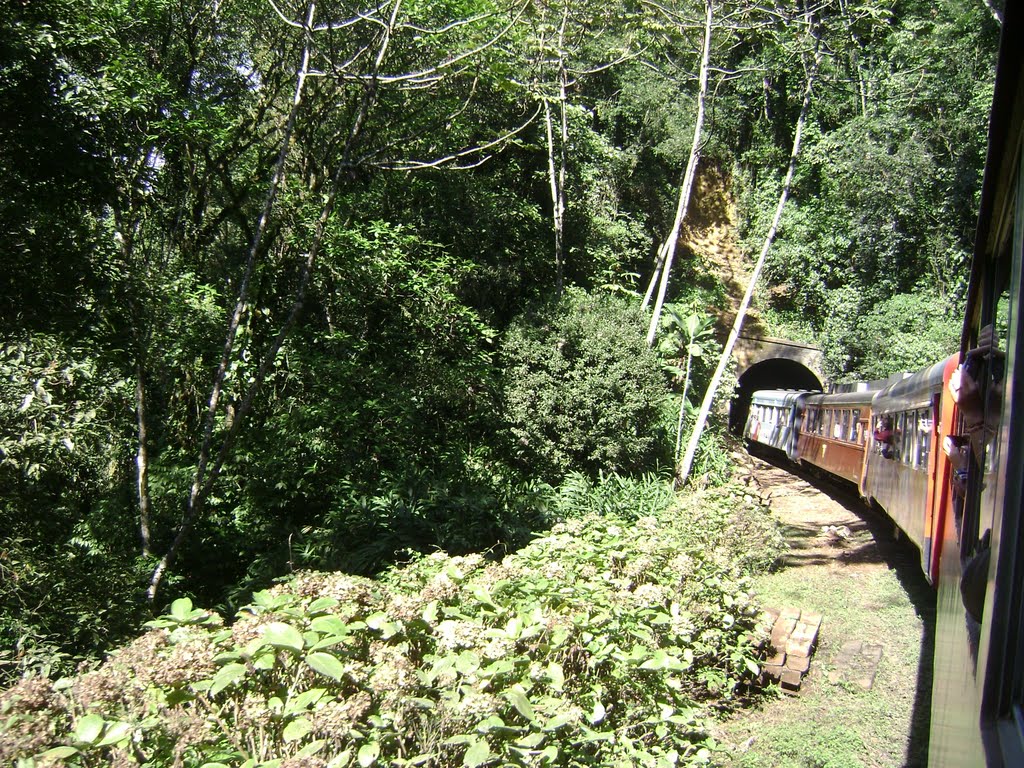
point(833, 724)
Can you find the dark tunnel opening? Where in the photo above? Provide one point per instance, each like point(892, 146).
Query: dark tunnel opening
point(777, 373)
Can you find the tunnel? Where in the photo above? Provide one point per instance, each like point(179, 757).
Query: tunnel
point(775, 373)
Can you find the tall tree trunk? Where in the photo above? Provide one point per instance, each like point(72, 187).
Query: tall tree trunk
point(200, 485)
point(683, 471)
point(557, 155)
point(142, 461)
point(667, 251)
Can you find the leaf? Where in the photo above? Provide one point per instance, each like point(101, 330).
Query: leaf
point(88, 729)
point(692, 324)
point(598, 714)
point(658, 661)
point(226, 675)
point(467, 662)
point(559, 721)
point(752, 667)
point(368, 754)
point(379, 621)
point(305, 700)
point(531, 741)
point(429, 614)
point(181, 609)
point(329, 625)
point(115, 732)
point(312, 748)
point(479, 752)
point(283, 635)
point(296, 729)
point(265, 661)
point(322, 604)
point(557, 675)
point(58, 753)
point(521, 702)
point(326, 664)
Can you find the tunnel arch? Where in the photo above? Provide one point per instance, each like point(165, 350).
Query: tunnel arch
point(773, 373)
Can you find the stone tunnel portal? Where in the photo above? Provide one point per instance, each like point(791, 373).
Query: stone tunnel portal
point(776, 373)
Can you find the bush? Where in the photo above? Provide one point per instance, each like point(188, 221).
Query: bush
point(608, 642)
point(581, 390)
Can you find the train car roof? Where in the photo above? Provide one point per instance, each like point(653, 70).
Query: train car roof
point(848, 399)
point(913, 391)
point(777, 396)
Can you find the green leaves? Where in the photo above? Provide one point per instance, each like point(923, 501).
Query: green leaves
point(283, 635)
point(599, 643)
point(326, 664)
point(582, 391)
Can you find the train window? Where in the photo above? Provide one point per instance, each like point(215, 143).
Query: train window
point(854, 432)
point(924, 436)
point(898, 432)
point(910, 439)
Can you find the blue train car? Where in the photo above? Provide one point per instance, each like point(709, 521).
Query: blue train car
point(774, 419)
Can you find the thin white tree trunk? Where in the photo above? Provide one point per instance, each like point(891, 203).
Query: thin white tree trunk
point(557, 199)
point(197, 493)
point(683, 472)
point(668, 250)
point(557, 155)
point(142, 461)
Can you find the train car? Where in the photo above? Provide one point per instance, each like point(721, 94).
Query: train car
point(833, 434)
point(977, 715)
point(903, 463)
point(774, 418)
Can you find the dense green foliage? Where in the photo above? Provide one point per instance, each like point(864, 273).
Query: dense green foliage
point(282, 292)
point(590, 646)
point(582, 392)
point(885, 203)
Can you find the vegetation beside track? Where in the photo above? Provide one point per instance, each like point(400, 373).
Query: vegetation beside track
point(615, 639)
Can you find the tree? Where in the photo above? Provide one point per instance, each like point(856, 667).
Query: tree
point(667, 250)
point(811, 35)
point(398, 62)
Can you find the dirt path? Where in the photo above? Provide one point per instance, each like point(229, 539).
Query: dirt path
point(864, 700)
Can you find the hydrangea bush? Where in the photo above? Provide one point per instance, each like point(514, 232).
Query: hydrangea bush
point(609, 641)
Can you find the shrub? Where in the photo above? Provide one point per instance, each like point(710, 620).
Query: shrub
point(608, 642)
point(581, 390)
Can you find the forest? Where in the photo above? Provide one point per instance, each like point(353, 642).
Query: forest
point(294, 287)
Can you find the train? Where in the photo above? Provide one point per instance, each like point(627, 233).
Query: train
point(941, 451)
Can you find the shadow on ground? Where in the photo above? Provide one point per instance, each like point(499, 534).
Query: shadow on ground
point(869, 536)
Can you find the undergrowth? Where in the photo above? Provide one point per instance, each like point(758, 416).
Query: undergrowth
point(613, 640)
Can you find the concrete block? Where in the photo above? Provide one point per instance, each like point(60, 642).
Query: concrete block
point(781, 631)
point(790, 679)
point(798, 663)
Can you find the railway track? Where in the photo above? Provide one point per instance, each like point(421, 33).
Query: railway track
point(844, 563)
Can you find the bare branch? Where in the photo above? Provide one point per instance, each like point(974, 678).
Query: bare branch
point(447, 160)
point(444, 65)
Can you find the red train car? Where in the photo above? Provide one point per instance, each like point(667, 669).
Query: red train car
point(833, 433)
